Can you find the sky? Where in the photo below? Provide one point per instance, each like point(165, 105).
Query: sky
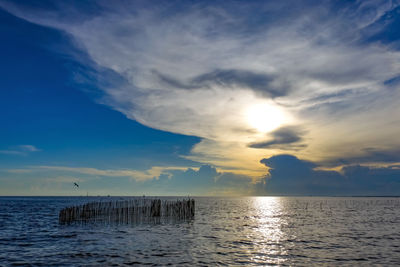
point(200, 97)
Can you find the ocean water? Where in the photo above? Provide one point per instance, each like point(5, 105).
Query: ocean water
point(245, 231)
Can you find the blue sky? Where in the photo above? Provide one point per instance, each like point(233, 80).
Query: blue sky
point(201, 97)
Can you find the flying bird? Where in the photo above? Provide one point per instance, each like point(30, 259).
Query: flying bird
point(76, 185)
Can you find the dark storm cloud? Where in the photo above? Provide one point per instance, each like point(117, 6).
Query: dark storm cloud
point(288, 137)
point(291, 176)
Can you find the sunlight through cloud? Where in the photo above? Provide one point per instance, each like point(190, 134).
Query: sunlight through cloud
point(265, 117)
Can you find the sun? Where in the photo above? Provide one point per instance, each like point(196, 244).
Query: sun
point(265, 117)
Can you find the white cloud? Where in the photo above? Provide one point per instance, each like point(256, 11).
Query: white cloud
point(152, 173)
point(19, 171)
point(28, 148)
point(12, 152)
point(20, 150)
point(197, 72)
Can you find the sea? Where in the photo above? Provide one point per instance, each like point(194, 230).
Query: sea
point(231, 231)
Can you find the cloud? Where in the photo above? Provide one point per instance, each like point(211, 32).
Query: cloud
point(196, 68)
point(372, 156)
point(289, 175)
point(12, 152)
point(28, 148)
point(152, 173)
point(230, 78)
point(235, 78)
point(19, 171)
point(205, 180)
point(288, 137)
point(20, 150)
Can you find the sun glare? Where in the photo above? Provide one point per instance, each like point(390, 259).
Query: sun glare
point(265, 117)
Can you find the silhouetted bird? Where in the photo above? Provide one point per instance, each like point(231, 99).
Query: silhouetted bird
point(76, 185)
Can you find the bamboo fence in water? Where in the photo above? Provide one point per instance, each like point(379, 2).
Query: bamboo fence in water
point(129, 211)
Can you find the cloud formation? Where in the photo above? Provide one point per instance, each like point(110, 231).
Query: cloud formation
point(137, 175)
point(205, 180)
point(289, 175)
point(21, 150)
point(284, 138)
point(197, 69)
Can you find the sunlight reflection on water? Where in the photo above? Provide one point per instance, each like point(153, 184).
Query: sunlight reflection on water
point(268, 233)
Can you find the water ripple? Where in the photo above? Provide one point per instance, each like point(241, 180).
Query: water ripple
point(225, 232)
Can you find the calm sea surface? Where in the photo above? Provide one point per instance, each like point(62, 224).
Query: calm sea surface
point(244, 231)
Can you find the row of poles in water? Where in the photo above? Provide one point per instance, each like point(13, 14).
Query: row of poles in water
point(129, 211)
